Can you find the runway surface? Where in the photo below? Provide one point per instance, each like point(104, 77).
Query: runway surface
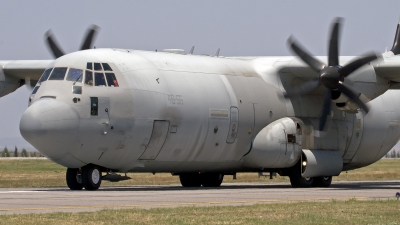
point(43, 200)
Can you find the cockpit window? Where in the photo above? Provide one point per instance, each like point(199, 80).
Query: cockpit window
point(74, 75)
point(99, 79)
point(106, 67)
point(97, 66)
point(111, 80)
point(58, 73)
point(96, 76)
point(35, 89)
point(88, 78)
point(45, 75)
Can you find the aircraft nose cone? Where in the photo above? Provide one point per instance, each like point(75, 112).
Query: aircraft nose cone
point(50, 126)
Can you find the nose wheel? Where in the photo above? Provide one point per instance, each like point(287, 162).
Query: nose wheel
point(74, 179)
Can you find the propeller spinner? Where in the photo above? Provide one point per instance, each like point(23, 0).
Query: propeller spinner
point(87, 42)
point(330, 76)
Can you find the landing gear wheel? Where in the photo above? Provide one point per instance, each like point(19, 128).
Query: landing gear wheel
point(297, 180)
point(91, 177)
point(211, 179)
point(322, 181)
point(190, 179)
point(74, 179)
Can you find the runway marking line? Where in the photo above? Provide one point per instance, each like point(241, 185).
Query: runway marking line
point(183, 204)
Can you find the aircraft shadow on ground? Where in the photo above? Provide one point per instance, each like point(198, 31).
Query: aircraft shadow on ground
point(362, 185)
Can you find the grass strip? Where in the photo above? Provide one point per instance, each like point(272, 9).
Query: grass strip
point(333, 212)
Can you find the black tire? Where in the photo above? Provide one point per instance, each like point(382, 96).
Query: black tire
point(91, 177)
point(296, 180)
point(211, 179)
point(74, 179)
point(322, 181)
point(190, 179)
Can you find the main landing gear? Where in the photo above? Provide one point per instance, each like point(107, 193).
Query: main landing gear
point(198, 179)
point(297, 181)
point(88, 177)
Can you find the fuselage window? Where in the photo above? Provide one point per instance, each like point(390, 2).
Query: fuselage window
point(58, 73)
point(89, 66)
point(97, 66)
point(94, 106)
point(106, 67)
point(89, 78)
point(45, 75)
point(35, 90)
point(99, 79)
point(111, 80)
point(74, 75)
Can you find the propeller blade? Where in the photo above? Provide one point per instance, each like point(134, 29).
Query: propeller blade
point(326, 110)
point(306, 88)
point(356, 64)
point(89, 37)
point(352, 95)
point(314, 63)
point(53, 45)
point(333, 49)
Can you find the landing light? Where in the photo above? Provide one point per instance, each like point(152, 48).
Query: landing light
point(304, 163)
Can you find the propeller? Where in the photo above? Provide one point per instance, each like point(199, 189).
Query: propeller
point(330, 76)
point(87, 42)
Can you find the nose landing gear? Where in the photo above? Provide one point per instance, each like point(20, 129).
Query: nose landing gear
point(89, 178)
point(74, 179)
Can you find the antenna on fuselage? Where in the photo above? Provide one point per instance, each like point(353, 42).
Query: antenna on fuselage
point(217, 53)
point(191, 51)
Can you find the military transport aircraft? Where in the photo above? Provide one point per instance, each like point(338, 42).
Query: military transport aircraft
point(102, 111)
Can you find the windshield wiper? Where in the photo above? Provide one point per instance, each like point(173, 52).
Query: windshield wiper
point(78, 78)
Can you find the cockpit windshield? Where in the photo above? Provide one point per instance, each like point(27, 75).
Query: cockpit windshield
point(58, 73)
point(75, 75)
point(45, 75)
point(96, 74)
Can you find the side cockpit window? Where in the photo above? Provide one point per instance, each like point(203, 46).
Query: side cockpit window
point(99, 79)
point(100, 74)
point(58, 73)
point(89, 77)
point(45, 75)
point(111, 80)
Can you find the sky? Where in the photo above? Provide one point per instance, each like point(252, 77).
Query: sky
point(238, 28)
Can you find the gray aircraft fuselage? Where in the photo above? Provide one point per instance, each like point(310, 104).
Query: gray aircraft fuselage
point(168, 112)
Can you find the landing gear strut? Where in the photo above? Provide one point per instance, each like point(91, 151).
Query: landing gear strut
point(74, 179)
point(197, 179)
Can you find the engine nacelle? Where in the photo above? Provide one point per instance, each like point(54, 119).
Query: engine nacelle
point(367, 83)
point(8, 84)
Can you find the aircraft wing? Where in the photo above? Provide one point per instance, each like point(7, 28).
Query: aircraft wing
point(22, 69)
point(388, 67)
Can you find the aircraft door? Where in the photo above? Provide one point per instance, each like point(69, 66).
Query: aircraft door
point(157, 140)
point(233, 125)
